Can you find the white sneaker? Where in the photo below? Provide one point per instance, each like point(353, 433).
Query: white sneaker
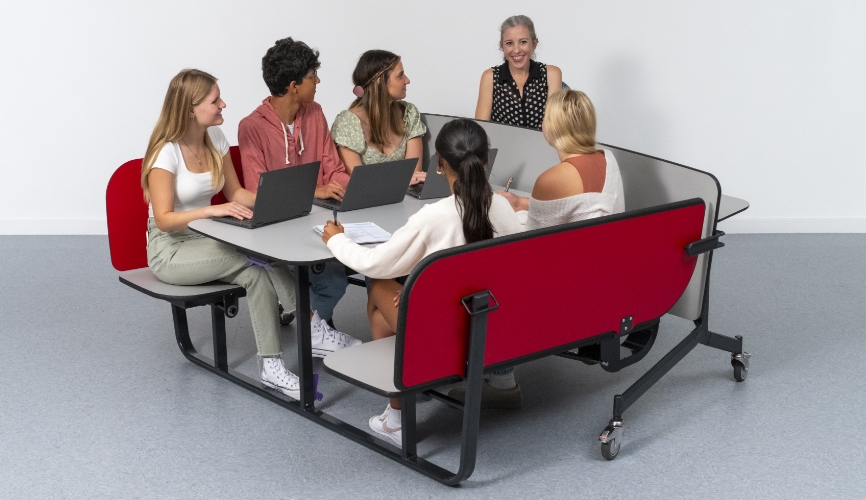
point(276, 376)
point(325, 340)
point(379, 425)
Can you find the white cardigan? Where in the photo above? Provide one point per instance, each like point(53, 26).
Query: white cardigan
point(435, 227)
point(580, 206)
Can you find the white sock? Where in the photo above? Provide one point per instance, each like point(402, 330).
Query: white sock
point(394, 421)
point(502, 381)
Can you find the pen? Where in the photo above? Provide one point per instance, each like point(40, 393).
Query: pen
point(335, 218)
point(508, 184)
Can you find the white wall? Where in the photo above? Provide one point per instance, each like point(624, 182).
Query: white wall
point(767, 95)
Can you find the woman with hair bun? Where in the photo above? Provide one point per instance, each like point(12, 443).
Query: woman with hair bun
point(379, 126)
point(516, 91)
point(473, 213)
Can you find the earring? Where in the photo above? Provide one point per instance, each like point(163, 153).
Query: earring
point(439, 170)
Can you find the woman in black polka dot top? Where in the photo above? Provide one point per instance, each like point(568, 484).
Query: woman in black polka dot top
point(516, 91)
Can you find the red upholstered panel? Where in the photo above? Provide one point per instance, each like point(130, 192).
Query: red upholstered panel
point(127, 217)
point(127, 213)
point(552, 290)
point(235, 152)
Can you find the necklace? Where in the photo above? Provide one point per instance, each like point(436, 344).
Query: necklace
point(191, 151)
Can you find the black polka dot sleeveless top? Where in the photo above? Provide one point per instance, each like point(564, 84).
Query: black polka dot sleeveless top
point(509, 107)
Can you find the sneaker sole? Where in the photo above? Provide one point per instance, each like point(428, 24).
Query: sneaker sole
point(396, 440)
point(292, 394)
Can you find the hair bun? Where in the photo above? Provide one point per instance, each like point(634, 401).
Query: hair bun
point(358, 91)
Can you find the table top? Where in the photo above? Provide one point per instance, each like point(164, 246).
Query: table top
point(730, 206)
point(295, 242)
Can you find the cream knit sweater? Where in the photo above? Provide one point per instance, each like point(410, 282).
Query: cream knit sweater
point(580, 206)
point(435, 227)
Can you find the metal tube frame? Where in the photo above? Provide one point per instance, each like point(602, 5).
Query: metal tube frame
point(478, 308)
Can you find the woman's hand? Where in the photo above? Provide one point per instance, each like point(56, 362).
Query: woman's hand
point(331, 228)
point(230, 209)
point(418, 177)
point(517, 203)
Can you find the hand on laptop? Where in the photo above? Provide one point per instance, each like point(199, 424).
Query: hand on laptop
point(331, 228)
point(333, 190)
point(230, 209)
point(418, 177)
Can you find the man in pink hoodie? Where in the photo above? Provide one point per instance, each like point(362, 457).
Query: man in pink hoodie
point(289, 129)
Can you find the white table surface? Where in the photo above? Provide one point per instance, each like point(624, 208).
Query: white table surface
point(295, 242)
point(730, 206)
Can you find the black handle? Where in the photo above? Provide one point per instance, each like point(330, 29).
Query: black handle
point(705, 245)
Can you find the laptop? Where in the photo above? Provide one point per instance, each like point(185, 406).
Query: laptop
point(436, 186)
point(283, 194)
point(374, 185)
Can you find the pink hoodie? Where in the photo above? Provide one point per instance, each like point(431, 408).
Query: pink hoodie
point(266, 144)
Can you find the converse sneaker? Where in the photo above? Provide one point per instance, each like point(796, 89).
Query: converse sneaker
point(491, 397)
point(325, 340)
point(276, 376)
point(382, 424)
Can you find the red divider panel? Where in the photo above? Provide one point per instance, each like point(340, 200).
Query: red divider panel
point(552, 290)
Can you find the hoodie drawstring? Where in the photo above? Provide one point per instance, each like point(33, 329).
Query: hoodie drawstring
point(286, 141)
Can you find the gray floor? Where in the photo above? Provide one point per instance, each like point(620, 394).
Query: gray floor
point(97, 402)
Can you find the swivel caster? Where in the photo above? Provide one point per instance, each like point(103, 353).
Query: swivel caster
point(611, 439)
point(740, 362)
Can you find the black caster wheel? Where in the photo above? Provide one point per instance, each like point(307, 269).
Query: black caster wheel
point(740, 371)
point(610, 449)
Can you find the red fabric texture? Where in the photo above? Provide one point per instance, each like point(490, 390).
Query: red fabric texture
point(262, 140)
point(126, 211)
point(235, 152)
point(552, 290)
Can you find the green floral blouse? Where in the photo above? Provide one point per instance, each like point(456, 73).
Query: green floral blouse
point(347, 132)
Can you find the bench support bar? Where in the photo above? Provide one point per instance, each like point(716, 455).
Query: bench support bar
point(477, 306)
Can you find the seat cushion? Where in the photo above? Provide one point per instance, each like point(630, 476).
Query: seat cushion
point(370, 366)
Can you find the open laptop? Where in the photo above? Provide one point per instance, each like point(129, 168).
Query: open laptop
point(283, 194)
point(374, 185)
point(436, 186)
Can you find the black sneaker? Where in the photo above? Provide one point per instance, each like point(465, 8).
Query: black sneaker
point(286, 317)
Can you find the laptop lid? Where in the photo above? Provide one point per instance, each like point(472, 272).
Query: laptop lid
point(285, 193)
point(374, 185)
point(436, 186)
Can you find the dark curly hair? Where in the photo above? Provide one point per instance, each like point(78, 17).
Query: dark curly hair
point(286, 62)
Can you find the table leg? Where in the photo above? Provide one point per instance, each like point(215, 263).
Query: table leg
point(305, 351)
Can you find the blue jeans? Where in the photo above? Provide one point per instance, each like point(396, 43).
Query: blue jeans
point(327, 287)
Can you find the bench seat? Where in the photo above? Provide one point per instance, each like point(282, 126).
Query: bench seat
point(369, 366)
point(184, 296)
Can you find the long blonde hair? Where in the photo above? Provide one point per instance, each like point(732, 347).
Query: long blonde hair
point(569, 122)
point(186, 90)
point(372, 73)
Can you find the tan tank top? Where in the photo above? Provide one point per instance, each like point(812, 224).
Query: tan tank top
point(592, 168)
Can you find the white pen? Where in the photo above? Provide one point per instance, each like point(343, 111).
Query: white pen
point(508, 184)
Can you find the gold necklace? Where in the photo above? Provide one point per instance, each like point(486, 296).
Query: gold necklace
point(191, 151)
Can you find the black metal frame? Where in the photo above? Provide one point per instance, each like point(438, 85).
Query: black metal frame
point(221, 305)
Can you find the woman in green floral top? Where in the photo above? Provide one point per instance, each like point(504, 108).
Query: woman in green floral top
point(379, 126)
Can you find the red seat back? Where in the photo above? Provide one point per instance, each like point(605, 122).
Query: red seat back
point(235, 152)
point(555, 286)
point(127, 213)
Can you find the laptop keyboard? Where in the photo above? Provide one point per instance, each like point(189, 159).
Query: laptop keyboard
point(247, 223)
point(415, 189)
point(328, 203)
